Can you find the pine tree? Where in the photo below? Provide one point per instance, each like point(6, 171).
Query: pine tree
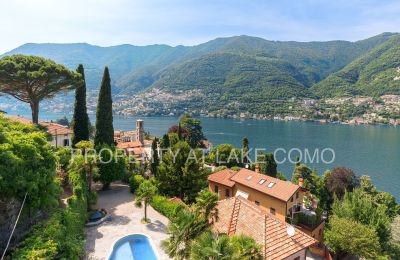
point(104, 117)
point(80, 119)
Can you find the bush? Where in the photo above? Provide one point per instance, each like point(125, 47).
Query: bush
point(135, 181)
point(62, 235)
point(165, 207)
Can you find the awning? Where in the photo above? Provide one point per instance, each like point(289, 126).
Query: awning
point(242, 194)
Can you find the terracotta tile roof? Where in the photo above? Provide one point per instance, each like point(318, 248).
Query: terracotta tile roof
point(56, 129)
point(52, 128)
point(136, 150)
point(129, 145)
point(239, 216)
point(274, 187)
point(223, 177)
point(20, 119)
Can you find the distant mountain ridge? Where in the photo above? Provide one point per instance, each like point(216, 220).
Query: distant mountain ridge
point(239, 68)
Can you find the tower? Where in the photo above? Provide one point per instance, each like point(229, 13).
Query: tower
point(140, 131)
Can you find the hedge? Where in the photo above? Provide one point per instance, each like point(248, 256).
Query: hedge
point(165, 206)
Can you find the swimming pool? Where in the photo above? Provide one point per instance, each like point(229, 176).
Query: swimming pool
point(137, 247)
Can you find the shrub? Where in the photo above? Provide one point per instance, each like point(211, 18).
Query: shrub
point(165, 206)
point(135, 181)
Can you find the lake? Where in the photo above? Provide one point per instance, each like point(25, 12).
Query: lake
point(371, 150)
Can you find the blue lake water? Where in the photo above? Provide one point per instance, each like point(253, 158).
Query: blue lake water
point(133, 247)
point(371, 150)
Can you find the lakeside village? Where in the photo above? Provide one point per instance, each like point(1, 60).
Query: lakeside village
point(344, 110)
point(54, 206)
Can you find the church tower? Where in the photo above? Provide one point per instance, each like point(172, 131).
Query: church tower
point(140, 131)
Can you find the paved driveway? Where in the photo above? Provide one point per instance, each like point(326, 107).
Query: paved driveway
point(118, 201)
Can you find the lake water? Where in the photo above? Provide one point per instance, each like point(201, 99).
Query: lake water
point(370, 150)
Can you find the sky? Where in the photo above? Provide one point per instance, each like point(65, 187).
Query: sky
point(190, 22)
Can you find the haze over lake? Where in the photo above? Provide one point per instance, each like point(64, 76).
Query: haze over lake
point(372, 150)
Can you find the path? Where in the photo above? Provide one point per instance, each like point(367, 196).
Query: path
point(118, 201)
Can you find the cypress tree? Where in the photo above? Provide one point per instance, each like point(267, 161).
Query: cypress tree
point(80, 119)
point(155, 160)
point(245, 148)
point(104, 117)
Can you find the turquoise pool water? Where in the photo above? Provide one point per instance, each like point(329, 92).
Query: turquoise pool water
point(135, 247)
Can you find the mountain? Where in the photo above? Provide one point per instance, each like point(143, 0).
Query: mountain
point(375, 73)
point(240, 68)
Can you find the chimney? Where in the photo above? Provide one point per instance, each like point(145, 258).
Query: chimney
point(301, 182)
point(257, 168)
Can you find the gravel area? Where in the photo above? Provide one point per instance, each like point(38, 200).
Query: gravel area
point(125, 220)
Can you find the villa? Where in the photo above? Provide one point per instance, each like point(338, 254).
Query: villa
point(277, 239)
point(281, 199)
point(61, 135)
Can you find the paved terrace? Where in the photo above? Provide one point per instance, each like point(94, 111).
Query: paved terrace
point(119, 203)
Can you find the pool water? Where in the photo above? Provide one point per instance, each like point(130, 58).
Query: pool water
point(135, 247)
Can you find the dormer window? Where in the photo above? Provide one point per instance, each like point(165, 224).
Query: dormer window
point(262, 181)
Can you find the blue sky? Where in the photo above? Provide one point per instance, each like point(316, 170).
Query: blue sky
point(175, 22)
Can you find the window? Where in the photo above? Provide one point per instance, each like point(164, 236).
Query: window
point(216, 189)
point(271, 184)
point(291, 199)
point(66, 142)
point(257, 203)
point(297, 195)
point(262, 181)
point(297, 258)
point(249, 177)
point(272, 211)
point(227, 193)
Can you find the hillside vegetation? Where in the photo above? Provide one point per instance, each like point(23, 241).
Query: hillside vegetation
point(239, 68)
point(372, 74)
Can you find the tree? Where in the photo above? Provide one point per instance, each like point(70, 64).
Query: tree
point(63, 121)
point(180, 174)
point(111, 165)
point(245, 148)
point(206, 203)
point(194, 129)
point(245, 248)
point(182, 230)
point(31, 79)
point(225, 154)
point(358, 207)
point(212, 246)
point(165, 141)
point(340, 180)
point(155, 161)
point(27, 164)
point(80, 118)
point(349, 236)
point(104, 117)
point(310, 178)
point(145, 193)
point(268, 165)
point(90, 160)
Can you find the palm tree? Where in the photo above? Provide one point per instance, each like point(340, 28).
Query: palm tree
point(145, 192)
point(182, 230)
point(206, 203)
point(212, 247)
point(245, 248)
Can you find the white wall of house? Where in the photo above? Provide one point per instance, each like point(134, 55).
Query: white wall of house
point(62, 140)
point(301, 255)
